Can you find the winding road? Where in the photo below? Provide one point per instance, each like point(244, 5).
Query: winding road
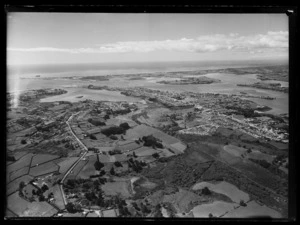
point(72, 167)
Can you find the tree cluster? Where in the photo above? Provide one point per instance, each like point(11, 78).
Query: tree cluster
point(98, 165)
point(96, 122)
point(151, 141)
point(121, 129)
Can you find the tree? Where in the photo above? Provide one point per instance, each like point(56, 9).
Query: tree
point(118, 164)
point(135, 206)
point(112, 171)
point(144, 208)
point(113, 137)
point(155, 155)
point(71, 183)
point(33, 192)
point(206, 191)
point(41, 198)
point(98, 165)
point(93, 137)
point(23, 142)
point(44, 188)
point(134, 155)
point(70, 207)
point(249, 150)
point(210, 215)
point(242, 203)
point(102, 172)
point(157, 211)
point(90, 196)
point(21, 185)
point(50, 195)
point(125, 126)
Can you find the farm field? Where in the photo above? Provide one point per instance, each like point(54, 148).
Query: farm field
point(22, 162)
point(42, 158)
point(178, 146)
point(182, 200)
point(216, 208)
point(121, 157)
point(255, 154)
point(252, 210)
point(66, 164)
point(235, 150)
point(128, 147)
point(166, 152)
point(224, 188)
point(88, 169)
point(13, 186)
point(45, 168)
point(59, 202)
point(229, 158)
point(143, 130)
point(9, 213)
point(24, 208)
point(198, 156)
point(19, 155)
point(146, 151)
point(104, 158)
point(76, 170)
point(21, 172)
point(118, 187)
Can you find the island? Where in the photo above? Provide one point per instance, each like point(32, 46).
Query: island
point(190, 80)
point(268, 86)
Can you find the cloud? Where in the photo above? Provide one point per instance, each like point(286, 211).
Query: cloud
point(271, 41)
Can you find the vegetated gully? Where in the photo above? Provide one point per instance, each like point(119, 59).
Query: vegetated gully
point(72, 167)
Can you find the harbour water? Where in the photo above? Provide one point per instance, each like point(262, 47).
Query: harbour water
point(27, 79)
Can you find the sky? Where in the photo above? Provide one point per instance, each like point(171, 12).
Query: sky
point(51, 38)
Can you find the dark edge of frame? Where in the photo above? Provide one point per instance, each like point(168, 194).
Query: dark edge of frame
point(290, 10)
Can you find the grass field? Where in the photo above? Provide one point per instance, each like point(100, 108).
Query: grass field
point(143, 130)
point(42, 158)
point(24, 208)
point(22, 162)
point(76, 170)
point(234, 150)
point(21, 172)
point(145, 151)
point(216, 208)
point(182, 200)
point(45, 168)
point(88, 169)
point(128, 147)
point(229, 158)
point(252, 210)
point(14, 185)
point(104, 158)
point(224, 188)
point(179, 146)
point(10, 214)
point(66, 164)
point(19, 155)
point(166, 153)
point(120, 158)
point(198, 156)
point(255, 154)
point(59, 201)
point(113, 188)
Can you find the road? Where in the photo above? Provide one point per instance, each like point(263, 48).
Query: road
point(72, 167)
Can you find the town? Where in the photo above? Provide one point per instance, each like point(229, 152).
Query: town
point(98, 158)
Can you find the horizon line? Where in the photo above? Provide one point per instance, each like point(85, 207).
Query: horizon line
point(286, 60)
